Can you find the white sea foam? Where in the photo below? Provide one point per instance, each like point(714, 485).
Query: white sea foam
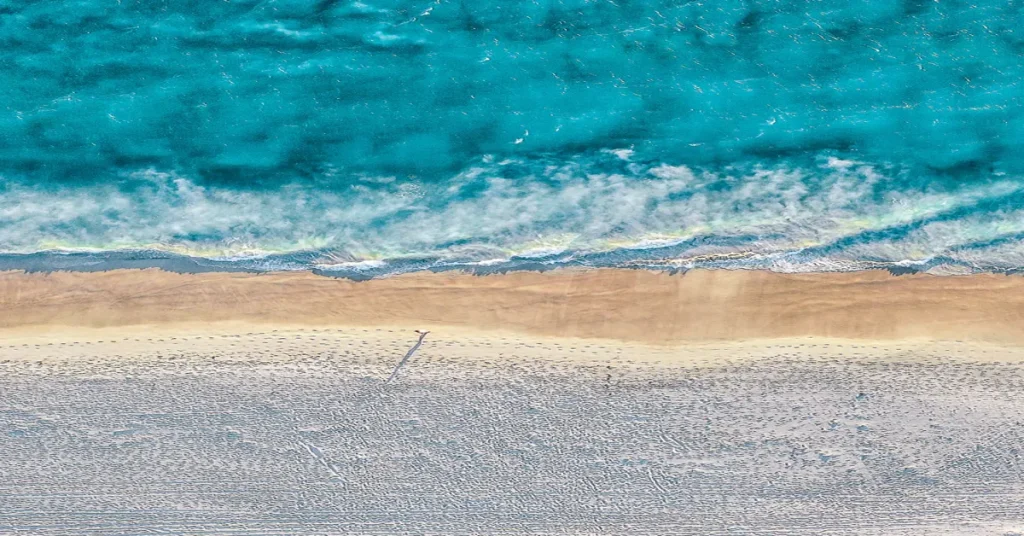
point(358, 266)
point(484, 214)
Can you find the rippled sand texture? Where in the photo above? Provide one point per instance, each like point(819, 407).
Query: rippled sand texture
point(295, 432)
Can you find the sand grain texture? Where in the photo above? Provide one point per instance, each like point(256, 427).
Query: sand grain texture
point(628, 305)
point(296, 432)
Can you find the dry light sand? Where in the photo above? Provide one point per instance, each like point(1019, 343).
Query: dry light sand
point(601, 402)
point(626, 305)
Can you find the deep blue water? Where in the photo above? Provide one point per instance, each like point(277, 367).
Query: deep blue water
point(381, 136)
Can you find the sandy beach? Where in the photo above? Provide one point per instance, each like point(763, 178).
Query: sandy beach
point(601, 402)
point(625, 305)
point(118, 418)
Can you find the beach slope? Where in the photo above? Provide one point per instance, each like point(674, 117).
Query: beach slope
point(627, 305)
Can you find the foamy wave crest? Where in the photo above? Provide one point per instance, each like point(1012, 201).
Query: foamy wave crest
point(603, 211)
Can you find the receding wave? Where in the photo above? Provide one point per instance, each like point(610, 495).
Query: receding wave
point(603, 210)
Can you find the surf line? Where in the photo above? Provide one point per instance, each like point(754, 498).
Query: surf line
point(423, 334)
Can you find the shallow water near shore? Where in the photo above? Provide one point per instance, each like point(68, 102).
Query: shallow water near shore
point(373, 138)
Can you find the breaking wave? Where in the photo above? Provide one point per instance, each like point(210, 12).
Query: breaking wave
point(516, 214)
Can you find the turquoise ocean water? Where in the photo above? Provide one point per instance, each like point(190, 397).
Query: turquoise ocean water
point(374, 137)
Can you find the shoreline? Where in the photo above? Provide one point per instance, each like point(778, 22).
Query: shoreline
point(633, 306)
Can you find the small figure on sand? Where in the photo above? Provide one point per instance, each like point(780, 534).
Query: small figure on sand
point(422, 333)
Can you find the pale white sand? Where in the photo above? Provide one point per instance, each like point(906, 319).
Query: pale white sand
point(275, 429)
